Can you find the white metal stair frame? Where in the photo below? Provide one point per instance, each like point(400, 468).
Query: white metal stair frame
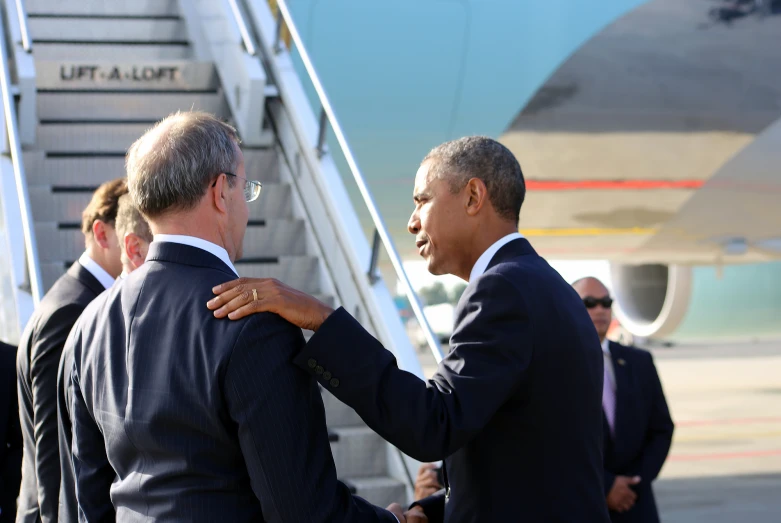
point(20, 279)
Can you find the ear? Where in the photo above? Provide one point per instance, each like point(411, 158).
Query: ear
point(219, 193)
point(476, 196)
point(100, 232)
point(133, 249)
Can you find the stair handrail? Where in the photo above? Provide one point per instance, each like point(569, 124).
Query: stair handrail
point(328, 115)
point(27, 43)
point(246, 38)
point(15, 151)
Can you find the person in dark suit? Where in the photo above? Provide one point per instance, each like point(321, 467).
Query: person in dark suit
point(514, 408)
point(134, 237)
point(637, 423)
point(177, 416)
point(10, 435)
point(41, 347)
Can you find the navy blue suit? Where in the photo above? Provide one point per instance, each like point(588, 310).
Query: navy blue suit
point(514, 409)
point(643, 430)
point(10, 435)
point(185, 417)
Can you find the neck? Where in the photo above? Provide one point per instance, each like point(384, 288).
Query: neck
point(97, 254)
point(481, 241)
point(195, 224)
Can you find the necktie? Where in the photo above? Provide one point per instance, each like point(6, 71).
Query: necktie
point(609, 398)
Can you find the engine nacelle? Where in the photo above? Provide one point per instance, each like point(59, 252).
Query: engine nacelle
point(684, 303)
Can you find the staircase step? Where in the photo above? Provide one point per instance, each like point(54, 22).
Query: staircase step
point(88, 171)
point(95, 106)
point(358, 452)
point(124, 73)
point(107, 30)
point(70, 138)
point(65, 206)
point(381, 490)
point(85, 52)
point(299, 272)
point(277, 238)
point(141, 8)
point(338, 414)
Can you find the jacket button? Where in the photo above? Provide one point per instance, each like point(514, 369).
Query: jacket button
point(312, 363)
point(319, 370)
point(334, 382)
point(326, 375)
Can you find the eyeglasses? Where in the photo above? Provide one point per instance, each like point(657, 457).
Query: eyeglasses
point(251, 187)
point(590, 302)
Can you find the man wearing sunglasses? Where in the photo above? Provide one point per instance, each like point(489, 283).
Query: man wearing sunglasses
point(637, 425)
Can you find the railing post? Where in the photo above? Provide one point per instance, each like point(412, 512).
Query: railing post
point(27, 44)
point(322, 133)
point(373, 278)
point(278, 38)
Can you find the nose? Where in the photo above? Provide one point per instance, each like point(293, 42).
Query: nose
point(413, 225)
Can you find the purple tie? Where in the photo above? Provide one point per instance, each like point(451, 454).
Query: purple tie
point(609, 398)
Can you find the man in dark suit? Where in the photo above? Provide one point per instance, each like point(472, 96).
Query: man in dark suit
point(178, 416)
point(41, 346)
point(637, 424)
point(514, 408)
point(10, 435)
point(134, 237)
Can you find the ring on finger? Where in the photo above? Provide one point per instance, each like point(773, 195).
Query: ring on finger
point(254, 295)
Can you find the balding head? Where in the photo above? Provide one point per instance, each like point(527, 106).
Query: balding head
point(596, 299)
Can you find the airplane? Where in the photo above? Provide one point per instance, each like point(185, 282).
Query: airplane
point(648, 132)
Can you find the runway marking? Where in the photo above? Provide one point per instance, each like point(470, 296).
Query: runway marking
point(725, 455)
point(726, 421)
point(589, 231)
point(611, 185)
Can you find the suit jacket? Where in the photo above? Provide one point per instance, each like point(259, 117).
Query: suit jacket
point(514, 408)
point(643, 430)
point(37, 362)
point(201, 419)
point(10, 435)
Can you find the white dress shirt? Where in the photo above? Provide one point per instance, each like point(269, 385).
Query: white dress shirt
point(96, 270)
point(199, 243)
point(482, 262)
point(609, 363)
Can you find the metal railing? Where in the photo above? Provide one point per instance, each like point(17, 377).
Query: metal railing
point(21, 12)
point(246, 38)
point(381, 234)
point(15, 152)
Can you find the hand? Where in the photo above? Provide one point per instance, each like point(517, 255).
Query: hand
point(395, 509)
point(416, 515)
point(236, 300)
point(621, 497)
point(426, 483)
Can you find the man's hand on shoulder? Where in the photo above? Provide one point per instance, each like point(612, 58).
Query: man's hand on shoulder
point(413, 515)
point(621, 496)
point(244, 296)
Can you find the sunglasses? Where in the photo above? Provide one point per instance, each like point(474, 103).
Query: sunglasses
point(590, 302)
point(251, 187)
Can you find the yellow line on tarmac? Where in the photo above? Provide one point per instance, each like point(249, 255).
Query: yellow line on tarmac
point(588, 231)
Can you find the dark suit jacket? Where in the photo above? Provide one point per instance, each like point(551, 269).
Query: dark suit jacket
point(643, 431)
point(514, 408)
point(10, 435)
point(37, 363)
point(201, 419)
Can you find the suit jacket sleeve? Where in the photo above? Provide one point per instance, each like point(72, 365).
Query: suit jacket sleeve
point(67, 506)
point(660, 429)
point(45, 360)
point(433, 506)
point(91, 468)
point(490, 356)
point(281, 426)
point(11, 470)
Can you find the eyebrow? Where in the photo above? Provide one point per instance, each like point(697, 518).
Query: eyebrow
point(419, 196)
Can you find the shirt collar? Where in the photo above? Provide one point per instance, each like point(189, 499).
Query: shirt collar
point(606, 346)
point(96, 270)
point(199, 243)
point(482, 262)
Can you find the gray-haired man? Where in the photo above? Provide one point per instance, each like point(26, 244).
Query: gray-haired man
point(196, 422)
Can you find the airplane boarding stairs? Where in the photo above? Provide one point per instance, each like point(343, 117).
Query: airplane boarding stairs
point(105, 71)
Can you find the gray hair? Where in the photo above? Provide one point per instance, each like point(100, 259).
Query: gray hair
point(481, 157)
point(172, 164)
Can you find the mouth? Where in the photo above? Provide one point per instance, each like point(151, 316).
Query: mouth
point(420, 244)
